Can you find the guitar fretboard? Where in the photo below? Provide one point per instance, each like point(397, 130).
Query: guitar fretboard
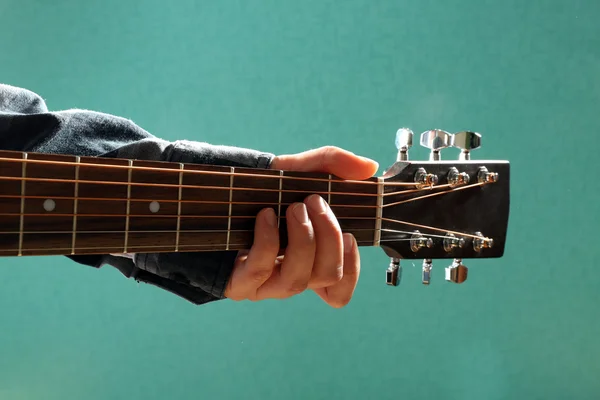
point(60, 205)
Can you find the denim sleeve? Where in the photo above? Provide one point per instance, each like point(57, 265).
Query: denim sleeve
point(26, 124)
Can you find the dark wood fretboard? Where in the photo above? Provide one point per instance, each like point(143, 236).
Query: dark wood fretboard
point(61, 205)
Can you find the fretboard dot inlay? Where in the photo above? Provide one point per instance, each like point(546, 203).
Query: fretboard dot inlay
point(154, 206)
point(49, 205)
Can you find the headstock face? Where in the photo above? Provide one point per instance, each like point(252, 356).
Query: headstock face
point(464, 210)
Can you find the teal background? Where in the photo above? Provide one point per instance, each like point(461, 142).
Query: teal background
point(285, 76)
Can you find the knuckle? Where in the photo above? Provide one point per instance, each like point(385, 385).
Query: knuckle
point(296, 287)
point(330, 277)
point(259, 275)
point(329, 155)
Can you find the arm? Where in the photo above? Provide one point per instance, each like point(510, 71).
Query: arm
point(27, 125)
point(318, 256)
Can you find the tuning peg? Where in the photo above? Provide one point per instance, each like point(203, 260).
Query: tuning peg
point(404, 141)
point(467, 141)
point(457, 271)
point(436, 140)
point(427, 265)
point(393, 272)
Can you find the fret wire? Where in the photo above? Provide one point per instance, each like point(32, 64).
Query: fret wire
point(181, 168)
point(279, 201)
point(129, 174)
point(76, 194)
point(377, 236)
point(230, 206)
point(329, 191)
point(161, 185)
point(22, 216)
point(168, 170)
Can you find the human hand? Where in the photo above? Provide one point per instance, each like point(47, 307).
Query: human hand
point(318, 256)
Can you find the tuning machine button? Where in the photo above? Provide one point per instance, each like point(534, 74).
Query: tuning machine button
point(404, 141)
point(393, 272)
point(466, 141)
point(426, 276)
point(436, 140)
point(457, 272)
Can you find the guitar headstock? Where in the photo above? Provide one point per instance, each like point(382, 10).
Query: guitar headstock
point(443, 209)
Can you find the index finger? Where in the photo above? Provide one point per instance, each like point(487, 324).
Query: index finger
point(330, 159)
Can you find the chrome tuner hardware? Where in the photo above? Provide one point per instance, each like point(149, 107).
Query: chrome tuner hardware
point(451, 242)
point(456, 178)
point(457, 272)
point(427, 266)
point(404, 141)
point(392, 276)
point(436, 140)
point(485, 176)
point(466, 141)
point(418, 241)
point(424, 180)
point(482, 242)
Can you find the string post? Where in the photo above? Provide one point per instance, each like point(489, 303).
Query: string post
point(452, 242)
point(436, 140)
point(393, 273)
point(418, 241)
point(456, 179)
point(425, 180)
point(457, 272)
point(485, 176)
point(404, 141)
point(466, 141)
point(482, 242)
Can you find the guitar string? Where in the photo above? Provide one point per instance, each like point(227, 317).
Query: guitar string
point(213, 231)
point(262, 204)
point(177, 186)
point(212, 202)
point(171, 216)
point(434, 194)
point(276, 173)
point(201, 246)
point(141, 248)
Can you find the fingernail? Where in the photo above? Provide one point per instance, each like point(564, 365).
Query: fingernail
point(317, 204)
point(270, 217)
point(300, 213)
point(348, 242)
point(370, 161)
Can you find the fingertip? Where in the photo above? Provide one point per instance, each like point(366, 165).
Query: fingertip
point(349, 242)
point(269, 216)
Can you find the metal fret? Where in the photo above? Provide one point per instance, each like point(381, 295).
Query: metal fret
point(230, 206)
point(181, 168)
point(329, 191)
point(279, 201)
point(377, 236)
point(22, 216)
point(76, 195)
point(129, 173)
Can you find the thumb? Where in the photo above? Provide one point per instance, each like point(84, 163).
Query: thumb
point(329, 159)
